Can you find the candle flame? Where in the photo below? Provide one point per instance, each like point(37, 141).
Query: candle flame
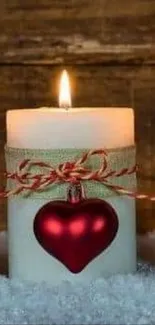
point(64, 94)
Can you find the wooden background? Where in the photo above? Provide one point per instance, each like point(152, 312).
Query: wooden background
point(108, 48)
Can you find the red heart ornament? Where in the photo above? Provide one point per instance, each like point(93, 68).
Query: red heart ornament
point(76, 232)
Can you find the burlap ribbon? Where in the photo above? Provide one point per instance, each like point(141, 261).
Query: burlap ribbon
point(117, 159)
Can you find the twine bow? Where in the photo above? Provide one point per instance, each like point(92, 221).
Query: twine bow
point(71, 172)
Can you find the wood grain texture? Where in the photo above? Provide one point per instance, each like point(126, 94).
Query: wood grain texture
point(78, 31)
point(144, 98)
point(3, 253)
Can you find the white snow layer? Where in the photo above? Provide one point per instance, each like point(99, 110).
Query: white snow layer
point(128, 299)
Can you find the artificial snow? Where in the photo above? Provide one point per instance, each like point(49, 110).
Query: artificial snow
point(128, 299)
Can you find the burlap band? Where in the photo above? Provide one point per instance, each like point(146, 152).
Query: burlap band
point(117, 159)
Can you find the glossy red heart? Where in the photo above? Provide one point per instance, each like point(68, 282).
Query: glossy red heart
point(75, 233)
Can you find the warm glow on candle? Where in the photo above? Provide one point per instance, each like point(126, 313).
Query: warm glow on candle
point(64, 94)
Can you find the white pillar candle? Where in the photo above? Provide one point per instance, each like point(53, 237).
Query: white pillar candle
point(48, 128)
point(77, 128)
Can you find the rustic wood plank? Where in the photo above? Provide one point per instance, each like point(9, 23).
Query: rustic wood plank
point(87, 7)
point(38, 85)
point(145, 246)
point(144, 99)
point(3, 253)
point(78, 32)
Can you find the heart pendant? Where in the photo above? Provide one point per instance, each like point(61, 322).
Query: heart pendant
point(76, 231)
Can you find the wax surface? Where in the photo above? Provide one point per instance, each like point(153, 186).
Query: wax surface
point(75, 128)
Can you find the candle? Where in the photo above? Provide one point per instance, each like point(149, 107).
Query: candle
point(76, 128)
point(68, 128)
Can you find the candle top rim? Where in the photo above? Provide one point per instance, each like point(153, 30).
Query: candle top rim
point(72, 109)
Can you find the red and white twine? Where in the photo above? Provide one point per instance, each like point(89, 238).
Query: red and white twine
point(71, 172)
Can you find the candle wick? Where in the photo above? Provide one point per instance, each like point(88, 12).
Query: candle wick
point(65, 106)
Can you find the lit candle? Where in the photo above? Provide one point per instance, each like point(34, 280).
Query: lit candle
point(68, 128)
